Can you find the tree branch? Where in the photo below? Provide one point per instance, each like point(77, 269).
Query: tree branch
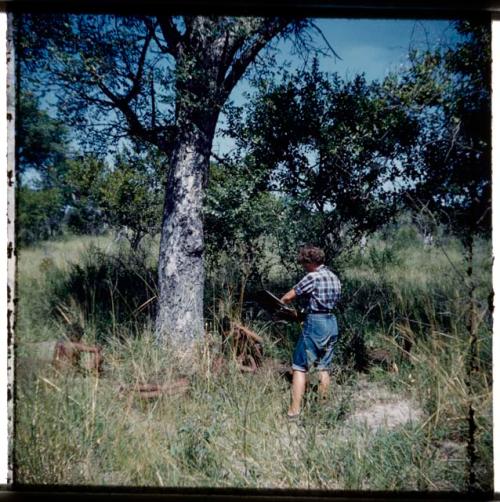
point(269, 30)
point(233, 41)
point(188, 23)
point(221, 160)
point(136, 80)
point(134, 124)
point(318, 29)
point(152, 27)
point(171, 34)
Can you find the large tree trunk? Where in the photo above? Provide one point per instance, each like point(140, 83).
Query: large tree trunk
point(207, 68)
point(180, 268)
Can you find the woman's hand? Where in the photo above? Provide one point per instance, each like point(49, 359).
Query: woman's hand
point(289, 297)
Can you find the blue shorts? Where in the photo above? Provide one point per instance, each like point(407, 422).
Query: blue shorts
point(315, 344)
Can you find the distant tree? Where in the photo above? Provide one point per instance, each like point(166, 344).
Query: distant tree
point(162, 80)
point(240, 220)
point(448, 90)
point(131, 195)
point(83, 179)
point(42, 143)
point(333, 149)
point(42, 150)
point(39, 214)
point(125, 195)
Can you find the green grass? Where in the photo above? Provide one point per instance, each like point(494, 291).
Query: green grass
point(230, 429)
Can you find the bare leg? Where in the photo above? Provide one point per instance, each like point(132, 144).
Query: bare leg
point(298, 389)
point(324, 382)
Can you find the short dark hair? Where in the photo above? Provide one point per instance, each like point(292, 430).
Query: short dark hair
point(311, 254)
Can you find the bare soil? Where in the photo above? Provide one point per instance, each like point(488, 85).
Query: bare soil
point(375, 406)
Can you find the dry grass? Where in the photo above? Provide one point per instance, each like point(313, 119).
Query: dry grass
point(230, 429)
point(33, 261)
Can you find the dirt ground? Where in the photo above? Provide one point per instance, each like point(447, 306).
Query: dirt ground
point(375, 406)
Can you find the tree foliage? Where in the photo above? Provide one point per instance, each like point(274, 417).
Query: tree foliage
point(333, 149)
point(40, 213)
point(118, 77)
point(42, 150)
point(41, 141)
point(125, 194)
point(240, 219)
point(453, 169)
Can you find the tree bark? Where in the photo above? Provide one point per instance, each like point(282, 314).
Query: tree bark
point(208, 66)
point(181, 269)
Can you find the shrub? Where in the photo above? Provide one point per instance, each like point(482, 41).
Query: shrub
point(110, 289)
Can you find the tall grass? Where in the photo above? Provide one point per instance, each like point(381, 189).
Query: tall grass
point(230, 429)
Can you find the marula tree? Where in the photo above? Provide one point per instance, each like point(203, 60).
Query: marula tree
point(161, 80)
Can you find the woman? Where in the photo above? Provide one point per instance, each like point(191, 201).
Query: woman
point(315, 346)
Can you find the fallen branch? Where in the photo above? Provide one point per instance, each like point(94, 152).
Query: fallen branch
point(154, 390)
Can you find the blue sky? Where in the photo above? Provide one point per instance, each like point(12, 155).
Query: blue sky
point(374, 47)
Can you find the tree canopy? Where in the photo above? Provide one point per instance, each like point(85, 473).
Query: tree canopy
point(119, 77)
point(42, 153)
point(451, 91)
point(335, 148)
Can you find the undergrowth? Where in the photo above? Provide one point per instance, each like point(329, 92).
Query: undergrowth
point(229, 429)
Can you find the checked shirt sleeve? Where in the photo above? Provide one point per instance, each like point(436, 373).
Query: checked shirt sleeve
point(306, 285)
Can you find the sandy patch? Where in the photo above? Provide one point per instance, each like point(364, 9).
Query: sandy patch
point(375, 406)
point(388, 415)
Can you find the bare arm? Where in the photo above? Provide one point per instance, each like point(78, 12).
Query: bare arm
point(289, 297)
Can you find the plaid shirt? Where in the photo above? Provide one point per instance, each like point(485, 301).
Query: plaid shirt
point(322, 287)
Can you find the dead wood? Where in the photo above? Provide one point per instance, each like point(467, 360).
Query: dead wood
point(243, 344)
point(383, 358)
point(154, 390)
point(68, 354)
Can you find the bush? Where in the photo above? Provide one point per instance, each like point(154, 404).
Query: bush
point(40, 214)
point(111, 290)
